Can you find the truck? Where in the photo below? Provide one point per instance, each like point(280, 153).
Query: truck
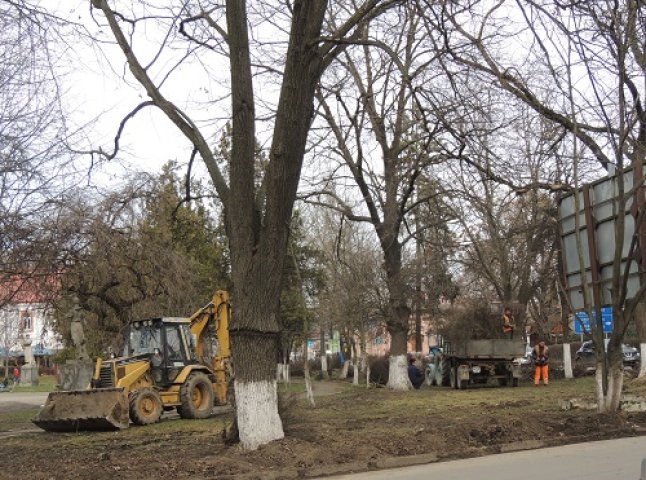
point(461, 363)
point(166, 363)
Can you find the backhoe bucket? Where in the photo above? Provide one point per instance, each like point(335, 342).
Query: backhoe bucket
point(95, 409)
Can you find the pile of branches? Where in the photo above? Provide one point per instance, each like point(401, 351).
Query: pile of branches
point(474, 321)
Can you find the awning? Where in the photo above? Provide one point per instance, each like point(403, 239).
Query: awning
point(41, 351)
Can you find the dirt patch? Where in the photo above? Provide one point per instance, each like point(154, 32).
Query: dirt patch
point(352, 425)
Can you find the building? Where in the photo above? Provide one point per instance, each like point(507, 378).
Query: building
point(25, 322)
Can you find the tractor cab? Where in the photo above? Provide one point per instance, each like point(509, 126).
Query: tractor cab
point(167, 342)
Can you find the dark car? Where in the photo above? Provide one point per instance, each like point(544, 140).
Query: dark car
point(586, 356)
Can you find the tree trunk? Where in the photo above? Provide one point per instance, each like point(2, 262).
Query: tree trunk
point(640, 324)
point(364, 354)
point(306, 366)
point(355, 364)
point(398, 368)
point(324, 371)
point(399, 314)
point(344, 370)
point(567, 361)
point(418, 290)
point(608, 400)
point(256, 390)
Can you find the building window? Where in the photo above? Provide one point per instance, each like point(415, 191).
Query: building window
point(25, 320)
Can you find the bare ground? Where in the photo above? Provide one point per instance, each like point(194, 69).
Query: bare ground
point(349, 424)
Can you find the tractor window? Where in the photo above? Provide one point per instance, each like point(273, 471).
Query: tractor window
point(144, 339)
point(174, 344)
point(190, 340)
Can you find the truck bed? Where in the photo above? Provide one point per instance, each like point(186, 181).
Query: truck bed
point(498, 348)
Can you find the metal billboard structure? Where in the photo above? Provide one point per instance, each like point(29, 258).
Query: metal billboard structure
point(597, 213)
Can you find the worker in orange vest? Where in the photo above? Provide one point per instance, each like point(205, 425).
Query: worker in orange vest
point(540, 354)
point(508, 323)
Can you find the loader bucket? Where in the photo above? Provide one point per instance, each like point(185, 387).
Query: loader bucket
point(95, 409)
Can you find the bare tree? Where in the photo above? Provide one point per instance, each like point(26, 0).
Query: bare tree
point(591, 58)
point(373, 122)
point(257, 218)
point(355, 299)
point(33, 155)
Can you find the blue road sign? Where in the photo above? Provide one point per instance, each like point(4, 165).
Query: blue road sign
point(582, 321)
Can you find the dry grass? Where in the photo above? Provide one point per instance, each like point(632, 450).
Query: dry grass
point(354, 424)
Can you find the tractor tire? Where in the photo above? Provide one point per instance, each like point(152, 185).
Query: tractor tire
point(429, 375)
point(507, 380)
point(145, 406)
point(444, 372)
point(196, 396)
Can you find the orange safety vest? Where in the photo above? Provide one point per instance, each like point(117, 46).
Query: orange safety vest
point(540, 352)
point(507, 325)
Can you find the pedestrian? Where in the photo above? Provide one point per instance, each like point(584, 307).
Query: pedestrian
point(508, 323)
point(540, 355)
point(16, 377)
point(414, 374)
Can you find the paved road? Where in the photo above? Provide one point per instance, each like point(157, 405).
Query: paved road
point(13, 401)
point(606, 460)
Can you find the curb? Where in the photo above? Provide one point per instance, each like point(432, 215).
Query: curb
point(399, 462)
point(386, 463)
point(519, 446)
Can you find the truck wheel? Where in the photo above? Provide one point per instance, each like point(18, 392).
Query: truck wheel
point(145, 406)
point(455, 380)
point(460, 384)
point(196, 396)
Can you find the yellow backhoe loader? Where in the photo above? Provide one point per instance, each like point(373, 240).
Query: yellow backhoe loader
point(166, 363)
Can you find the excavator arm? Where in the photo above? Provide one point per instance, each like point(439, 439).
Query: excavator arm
point(210, 326)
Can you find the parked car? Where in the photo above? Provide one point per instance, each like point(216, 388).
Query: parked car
point(586, 356)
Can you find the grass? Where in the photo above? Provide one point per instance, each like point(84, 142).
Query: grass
point(381, 403)
point(46, 383)
point(17, 420)
point(349, 423)
point(359, 404)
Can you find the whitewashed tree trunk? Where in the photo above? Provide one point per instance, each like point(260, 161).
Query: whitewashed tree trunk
point(398, 374)
point(642, 363)
point(287, 372)
point(344, 370)
point(324, 366)
point(355, 378)
point(257, 406)
point(567, 361)
point(368, 376)
point(598, 377)
point(610, 401)
point(279, 372)
point(306, 369)
point(308, 389)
